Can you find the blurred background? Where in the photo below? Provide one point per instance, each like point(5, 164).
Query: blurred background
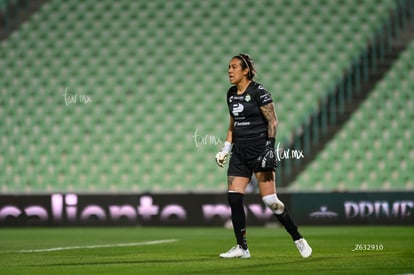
point(129, 96)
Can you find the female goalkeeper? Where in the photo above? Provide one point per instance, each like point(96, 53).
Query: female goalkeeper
point(251, 141)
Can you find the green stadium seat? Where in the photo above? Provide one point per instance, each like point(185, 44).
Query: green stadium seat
point(377, 138)
point(150, 90)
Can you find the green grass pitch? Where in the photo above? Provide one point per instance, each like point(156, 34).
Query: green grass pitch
point(172, 250)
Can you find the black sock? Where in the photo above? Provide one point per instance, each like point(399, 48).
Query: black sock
point(238, 217)
point(289, 225)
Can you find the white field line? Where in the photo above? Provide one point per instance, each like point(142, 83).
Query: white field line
point(97, 246)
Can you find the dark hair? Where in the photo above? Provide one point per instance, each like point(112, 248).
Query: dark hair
point(247, 62)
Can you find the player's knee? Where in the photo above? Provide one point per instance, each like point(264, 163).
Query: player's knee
point(274, 204)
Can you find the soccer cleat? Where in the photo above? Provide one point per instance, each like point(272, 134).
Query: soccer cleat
point(304, 248)
point(236, 252)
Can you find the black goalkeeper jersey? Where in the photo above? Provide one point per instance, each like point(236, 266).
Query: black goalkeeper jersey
point(249, 122)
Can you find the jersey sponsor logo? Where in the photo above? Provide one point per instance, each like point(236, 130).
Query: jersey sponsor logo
point(231, 98)
point(243, 123)
point(237, 108)
point(265, 98)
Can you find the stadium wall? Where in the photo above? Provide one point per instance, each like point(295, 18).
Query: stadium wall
point(351, 208)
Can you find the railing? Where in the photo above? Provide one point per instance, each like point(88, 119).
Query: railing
point(345, 93)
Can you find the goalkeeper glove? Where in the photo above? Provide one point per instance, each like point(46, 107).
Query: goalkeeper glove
point(267, 161)
point(221, 157)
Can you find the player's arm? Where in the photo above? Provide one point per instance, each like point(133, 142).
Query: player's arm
point(221, 157)
point(269, 113)
point(268, 158)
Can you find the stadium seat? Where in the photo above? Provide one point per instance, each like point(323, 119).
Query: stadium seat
point(377, 138)
point(156, 72)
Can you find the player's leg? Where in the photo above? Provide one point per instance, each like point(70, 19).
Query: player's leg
point(238, 175)
point(268, 191)
point(235, 195)
point(267, 188)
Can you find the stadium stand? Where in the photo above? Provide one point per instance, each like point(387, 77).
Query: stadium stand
point(106, 96)
point(374, 150)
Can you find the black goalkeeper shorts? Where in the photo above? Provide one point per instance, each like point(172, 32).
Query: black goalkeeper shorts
point(244, 158)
